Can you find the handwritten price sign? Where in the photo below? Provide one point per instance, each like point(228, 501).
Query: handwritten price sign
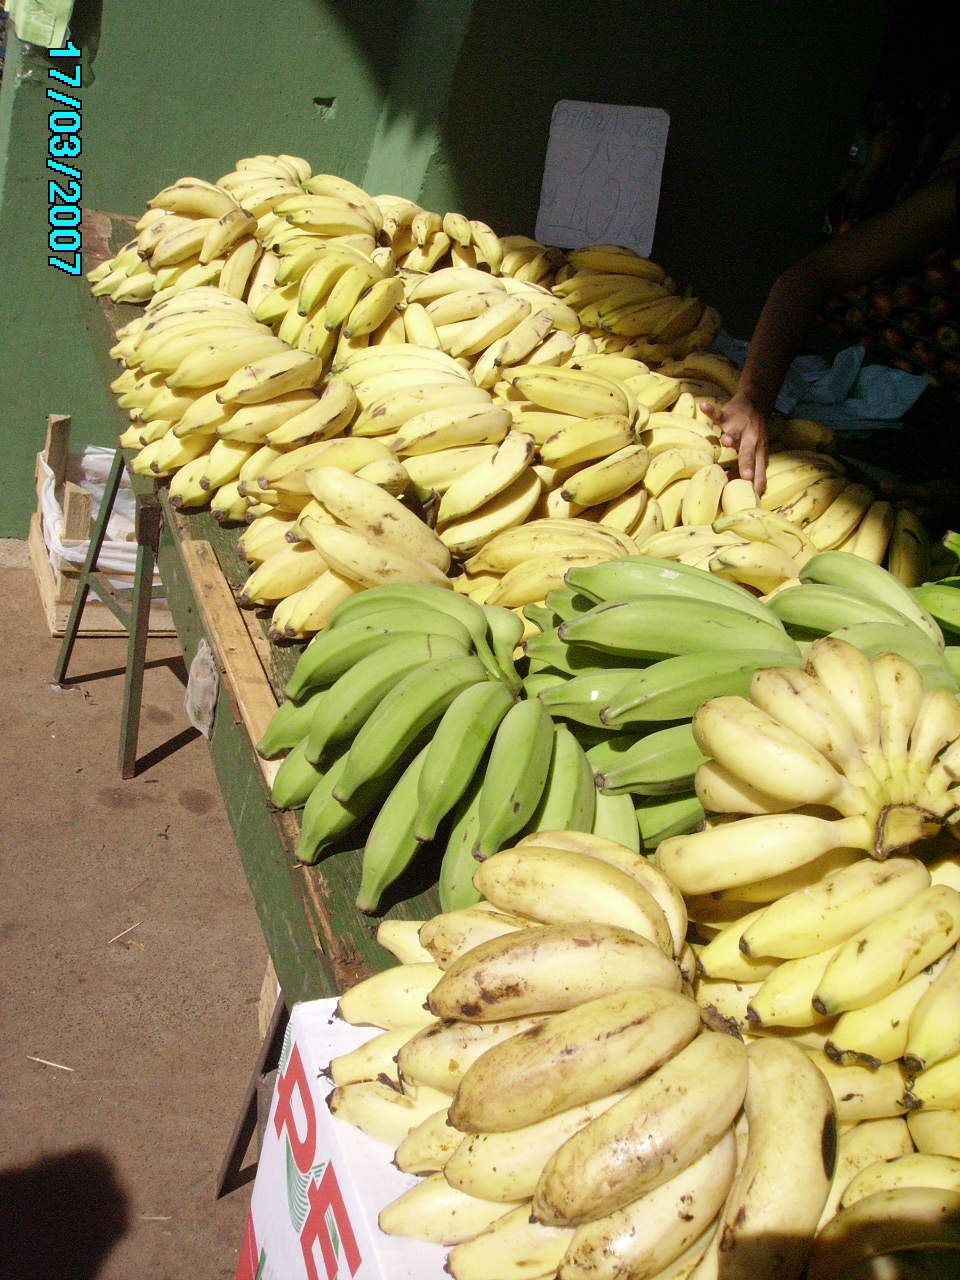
point(601, 176)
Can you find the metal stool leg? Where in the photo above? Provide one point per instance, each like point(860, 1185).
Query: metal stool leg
point(89, 567)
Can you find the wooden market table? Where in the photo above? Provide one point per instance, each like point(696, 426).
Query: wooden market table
point(319, 942)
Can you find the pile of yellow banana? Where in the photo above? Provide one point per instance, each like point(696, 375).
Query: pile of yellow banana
point(501, 381)
point(544, 1073)
point(809, 505)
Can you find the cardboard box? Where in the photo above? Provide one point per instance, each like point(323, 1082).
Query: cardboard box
point(320, 1182)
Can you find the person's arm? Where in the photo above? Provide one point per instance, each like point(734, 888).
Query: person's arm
point(883, 243)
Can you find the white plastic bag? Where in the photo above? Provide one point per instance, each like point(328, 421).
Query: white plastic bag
point(202, 688)
point(119, 551)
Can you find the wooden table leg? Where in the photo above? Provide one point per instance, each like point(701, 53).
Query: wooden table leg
point(268, 1059)
point(148, 542)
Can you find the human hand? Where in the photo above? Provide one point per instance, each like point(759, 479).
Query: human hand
point(742, 428)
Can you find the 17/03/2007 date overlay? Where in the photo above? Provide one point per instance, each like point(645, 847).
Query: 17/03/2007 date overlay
point(63, 153)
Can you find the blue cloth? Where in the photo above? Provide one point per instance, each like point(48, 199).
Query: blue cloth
point(844, 395)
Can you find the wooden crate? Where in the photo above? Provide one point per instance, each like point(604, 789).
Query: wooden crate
point(58, 581)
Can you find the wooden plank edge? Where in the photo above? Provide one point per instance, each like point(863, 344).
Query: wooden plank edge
point(234, 652)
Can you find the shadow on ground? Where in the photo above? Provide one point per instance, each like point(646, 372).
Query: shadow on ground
point(60, 1216)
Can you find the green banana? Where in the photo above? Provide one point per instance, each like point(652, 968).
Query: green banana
point(567, 602)
point(536, 682)
point(815, 609)
point(673, 688)
point(582, 697)
point(541, 615)
point(615, 818)
point(569, 795)
point(410, 707)
point(426, 597)
point(685, 625)
point(572, 659)
point(459, 743)
point(295, 779)
point(288, 724)
point(506, 632)
point(353, 698)
point(662, 763)
point(455, 887)
point(641, 577)
point(942, 602)
point(335, 651)
point(676, 816)
point(391, 844)
point(325, 819)
point(836, 568)
point(515, 776)
point(874, 638)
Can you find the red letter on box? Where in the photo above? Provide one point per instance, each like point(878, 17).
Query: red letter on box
point(294, 1081)
point(249, 1254)
point(324, 1195)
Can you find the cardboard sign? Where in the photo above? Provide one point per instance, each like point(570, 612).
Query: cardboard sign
point(601, 176)
point(321, 1183)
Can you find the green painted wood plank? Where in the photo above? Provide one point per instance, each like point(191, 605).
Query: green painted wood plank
point(302, 970)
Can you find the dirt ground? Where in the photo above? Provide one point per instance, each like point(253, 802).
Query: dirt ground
point(131, 955)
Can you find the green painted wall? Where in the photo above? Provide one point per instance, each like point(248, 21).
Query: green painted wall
point(448, 100)
point(46, 362)
point(762, 98)
point(177, 87)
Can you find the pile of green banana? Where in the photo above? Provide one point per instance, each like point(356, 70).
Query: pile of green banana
point(406, 707)
point(473, 765)
point(627, 651)
point(544, 1074)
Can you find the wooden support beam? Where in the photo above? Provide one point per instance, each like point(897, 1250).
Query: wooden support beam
point(57, 446)
point(77, 513)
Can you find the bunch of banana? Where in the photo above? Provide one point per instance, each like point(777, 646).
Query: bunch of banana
point(580, 1122)
point(177, 359)
point(623, 656)
point(616, 292)
point(389, 663)
point(522, 565)
point(820, 927)
point(125, 277)
point(489, 322)
point(800, 433)
point(886, 1198)
point(809, 488)
point(193, 233)
point(181, 359)
point(529, 262)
